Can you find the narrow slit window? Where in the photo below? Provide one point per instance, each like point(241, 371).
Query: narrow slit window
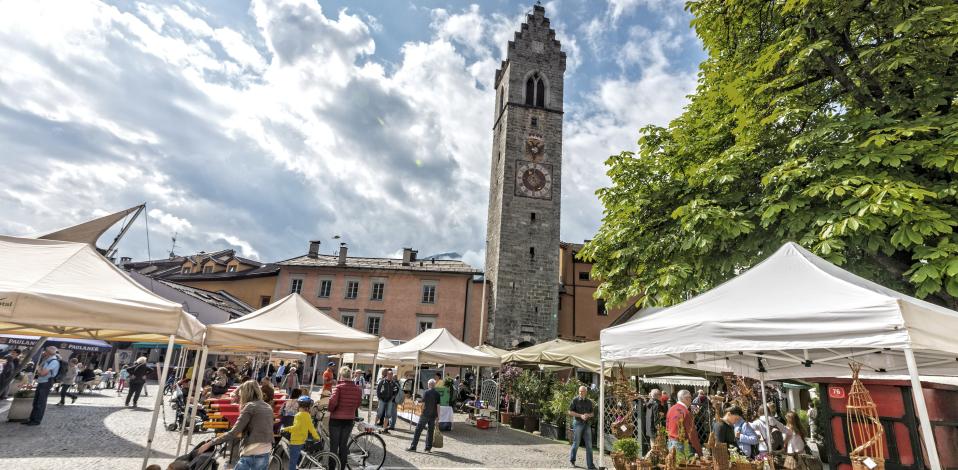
point(540, 94)
point(532, 217)
point(532, 252)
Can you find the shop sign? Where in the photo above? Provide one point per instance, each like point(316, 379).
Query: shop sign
point(836, 392)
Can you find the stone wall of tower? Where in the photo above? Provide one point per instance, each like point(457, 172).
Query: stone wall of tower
point(522, 262)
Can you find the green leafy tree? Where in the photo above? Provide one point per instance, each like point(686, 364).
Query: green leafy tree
point(831, 123)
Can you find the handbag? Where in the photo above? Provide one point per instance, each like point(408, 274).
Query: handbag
point(437, 439)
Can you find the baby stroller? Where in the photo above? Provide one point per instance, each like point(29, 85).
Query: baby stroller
point(204, 461)
point(178, 402)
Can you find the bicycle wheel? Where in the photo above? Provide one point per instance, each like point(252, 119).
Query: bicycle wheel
point(327, 460)
point(277, 462)
point(366, 451)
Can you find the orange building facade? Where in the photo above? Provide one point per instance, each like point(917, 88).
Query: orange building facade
point(581, 316)
point(393, 298)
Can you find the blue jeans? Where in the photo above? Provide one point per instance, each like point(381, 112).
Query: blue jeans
point(253, 462)
point(428, 423)
point(580, 430)
point(383, 413)
point(393, 415)
point(294, 451)
point(40, 396)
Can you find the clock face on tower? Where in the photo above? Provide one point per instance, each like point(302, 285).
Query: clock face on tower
point(533, 179)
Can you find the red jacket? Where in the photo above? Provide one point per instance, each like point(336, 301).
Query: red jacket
point(345, 400)
point(681, 412)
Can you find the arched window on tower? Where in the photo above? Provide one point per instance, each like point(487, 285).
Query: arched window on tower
point(535, 91)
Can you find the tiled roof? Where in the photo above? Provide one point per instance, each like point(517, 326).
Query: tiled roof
point(390, 264)
point(221, 300)
point(262, 271)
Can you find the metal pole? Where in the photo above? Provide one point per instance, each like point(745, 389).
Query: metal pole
point(415, 389)
point(924, 422)
point(196, 395)
point(768, 422)
point(369, 412)
point(482, 312)
point(312, 380)
point(159, 400)
point(189, 393)
point(601, 413)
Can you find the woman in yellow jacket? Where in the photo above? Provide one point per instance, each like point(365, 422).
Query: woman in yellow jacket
point(301, 429)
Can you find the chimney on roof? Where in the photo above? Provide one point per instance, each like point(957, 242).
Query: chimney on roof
point(408, 256)
point(313, 249)
point(125, 260)
point(342, 254)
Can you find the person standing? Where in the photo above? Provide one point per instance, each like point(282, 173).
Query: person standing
point(654, 415)
point(268, 391)
point(680, 420)
point(582, 409)
point(724, 428)
point(9, 371)
point(328, 378)
point(746, 437)
point(46, 371)
point(254, 427)
point(812, 420)
point(138, 373)
point(398, 399)
point(769, 430)
point(68, 380)
point(108, 377)
point(343, 405)
point(291, 381)
point(280, 372)
point(427, 420)
point(795, 438)
point(124, 377)
point(384, 392)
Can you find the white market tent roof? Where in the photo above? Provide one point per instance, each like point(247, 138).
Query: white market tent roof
point(366, 358)
point(291, 323)
point(67, 289)
point(436, 346)
point(581, 355)
point(89, 231)
point(803, 315)
point(489, 349)
point(533, 354)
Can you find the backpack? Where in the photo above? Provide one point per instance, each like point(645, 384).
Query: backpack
point(777, 440)
point(62, 370)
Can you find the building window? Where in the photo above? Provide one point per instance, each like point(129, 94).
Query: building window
point(263, 301)
point(348, 319)
point(207, 269)
point(429, 293)
point(534, 123)
point(231, 269)
point(425, 325)
point(532, 252)
point(600, 307)
point(535, 91)
point(501, 92)
point(373, 324)
point(532, 216)
point(325, 287)
point(377, 292)
point(352, 289)
point(296, 286)
point(584, 276)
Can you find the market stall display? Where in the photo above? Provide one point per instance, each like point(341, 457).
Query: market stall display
point(795, 315)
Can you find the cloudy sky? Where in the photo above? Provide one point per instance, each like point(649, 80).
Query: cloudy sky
point(262, 125)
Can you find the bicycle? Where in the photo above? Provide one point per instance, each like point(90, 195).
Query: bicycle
point(366, 449)
point(312, 455)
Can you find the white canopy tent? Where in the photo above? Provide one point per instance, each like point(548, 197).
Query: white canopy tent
point(366, 358)
point(796, 315)
point(436, 346)
point(534, 354)
point(67, 289)
point(489, 349)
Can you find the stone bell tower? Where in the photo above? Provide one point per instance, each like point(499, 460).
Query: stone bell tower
point(522, 237)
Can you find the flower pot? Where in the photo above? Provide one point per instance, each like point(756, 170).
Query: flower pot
point(549, 430)
point(531, 423)
point(505, 417)
point(618, 460)
point(518, 422)
point(742, 466)
point(643, 464)
point(21, 408)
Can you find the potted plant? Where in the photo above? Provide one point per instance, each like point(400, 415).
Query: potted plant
point(737, 461)
point(508, 375)
point(624, 453)
point(554, 413)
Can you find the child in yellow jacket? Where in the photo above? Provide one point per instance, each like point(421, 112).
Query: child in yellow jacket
point(302, 428)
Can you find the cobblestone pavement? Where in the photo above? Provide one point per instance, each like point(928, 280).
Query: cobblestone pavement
point(98, 432)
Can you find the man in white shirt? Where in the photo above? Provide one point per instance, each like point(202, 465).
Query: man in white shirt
point(764, 430)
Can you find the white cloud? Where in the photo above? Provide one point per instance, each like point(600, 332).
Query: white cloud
point(171, 223)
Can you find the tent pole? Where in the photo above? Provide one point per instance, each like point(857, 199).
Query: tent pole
point(768, 422)
point(312, 381)
point(196, 394)
point(415, 390)
point(159, 399)
point(189, 393)
point(924, 422)
point(601, 432)
point(369, 411)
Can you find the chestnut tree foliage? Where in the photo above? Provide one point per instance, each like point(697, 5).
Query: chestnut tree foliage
point(831, 123)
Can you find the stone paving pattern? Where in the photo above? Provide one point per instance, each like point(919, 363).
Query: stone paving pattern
point(98, 432)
